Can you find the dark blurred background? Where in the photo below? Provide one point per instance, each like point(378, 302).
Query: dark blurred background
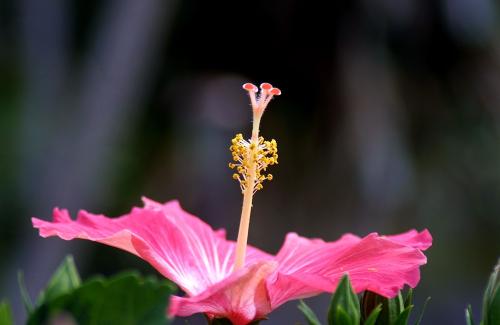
point(389, 120)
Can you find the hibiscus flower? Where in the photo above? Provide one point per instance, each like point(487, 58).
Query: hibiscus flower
point(227, 279)
point(200, 260)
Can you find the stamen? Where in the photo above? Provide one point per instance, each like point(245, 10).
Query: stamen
point(246, 154)
point(250, 161)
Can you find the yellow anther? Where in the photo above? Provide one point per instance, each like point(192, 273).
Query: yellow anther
point(247, 155)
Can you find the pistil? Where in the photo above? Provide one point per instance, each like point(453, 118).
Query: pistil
point(251, 158)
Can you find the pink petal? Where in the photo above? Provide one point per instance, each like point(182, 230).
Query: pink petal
point(308, 267)
point(180, 246)
point(421, 240)
point(379, 265)
point(241, 298)
point(302, 263)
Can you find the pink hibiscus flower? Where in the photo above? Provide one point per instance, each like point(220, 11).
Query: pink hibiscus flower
point(201, 261)
point(226, 279)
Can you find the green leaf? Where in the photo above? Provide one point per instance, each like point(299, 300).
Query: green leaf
point(5, 314)
point(369, 302)
point(64, 279)
point(493, 316)
point(342, 317)
point(468, 316)
point(28, 305)
point(491, 300)
point(309, 314)
point(400, 303)
point(421, 316)
point(372, 318)
point(390, 311)
point(409, 298)
point(390, 307)
point(393, 311)
point(403, 317)
point(344, 307)
point(123, 299)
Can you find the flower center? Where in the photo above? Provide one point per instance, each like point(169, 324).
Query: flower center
point(251, 159)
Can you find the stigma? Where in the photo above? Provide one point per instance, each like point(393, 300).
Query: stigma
point(260, 100)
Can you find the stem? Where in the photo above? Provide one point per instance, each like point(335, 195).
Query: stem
point(241, 244)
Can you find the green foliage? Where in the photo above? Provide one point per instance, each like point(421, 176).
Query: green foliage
point(404, 316)
point(5, 314)
point(468, 315)
point(310, 316)
point(126, 298)
point(65, 279)
point(28, 305)
point(491, 301)
point(422, 311)
point(390, 308)
point(409, 298)
point(344, 307)
point(395, 311)
point(372, 318)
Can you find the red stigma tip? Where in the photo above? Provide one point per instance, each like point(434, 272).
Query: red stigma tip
point(275, 91)
point(266, 86)
point(250, 87)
